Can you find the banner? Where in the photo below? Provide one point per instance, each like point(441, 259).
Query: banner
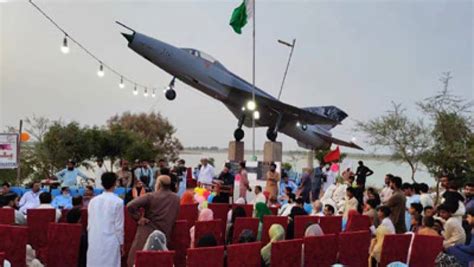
point(8, 151)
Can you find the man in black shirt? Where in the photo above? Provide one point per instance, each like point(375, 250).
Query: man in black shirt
point(362, 173)
point(226, 182)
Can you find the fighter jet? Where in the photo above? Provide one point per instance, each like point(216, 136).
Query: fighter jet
point(309, 126)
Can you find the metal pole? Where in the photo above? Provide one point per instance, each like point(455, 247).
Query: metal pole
point(253, 83)
point(18, 169)
point(287, 64)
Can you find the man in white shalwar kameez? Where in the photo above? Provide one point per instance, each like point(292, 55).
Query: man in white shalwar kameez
point(105, 226)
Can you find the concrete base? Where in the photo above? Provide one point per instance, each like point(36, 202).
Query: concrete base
point(272, 151)
point(236, 151)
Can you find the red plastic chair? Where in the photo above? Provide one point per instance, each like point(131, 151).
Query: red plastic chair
point(302, 222)
point(38, 221)
point(268, 221)
point(63, 218)
point(244, 255)
point(154, 259)
point(13, 243)
point(130, 229)
point(220, 212)
point(242, 224)
point(2, 258)
point(247, 207)
point(7, 216)
point(358, 222)
point(354, 248)
point(320, 250)
point(424, 250)
point(188, 212)
point(331, 224)
point(64, 241)
point(208, 227)
point(180, 240)
point(209, 257)
point(274, 210)
point(395, 248)
point(286, 253)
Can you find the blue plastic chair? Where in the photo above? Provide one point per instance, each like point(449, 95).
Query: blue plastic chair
point(119, 191)
point(80, 191)
point(17, 190)
point(97, 191)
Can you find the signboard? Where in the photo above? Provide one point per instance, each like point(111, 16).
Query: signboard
point(8, 151)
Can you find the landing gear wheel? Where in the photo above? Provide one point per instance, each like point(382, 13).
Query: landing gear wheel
point(170, 94)
point(272, 135)
point(239, 134)
point(304, 127)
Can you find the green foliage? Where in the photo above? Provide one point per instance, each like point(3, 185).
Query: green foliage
point(286, 166)
point(153, 128)
point(143, 136)
point(407, 139)
point(452, 132)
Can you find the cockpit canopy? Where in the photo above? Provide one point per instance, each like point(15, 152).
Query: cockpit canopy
point(204, 56)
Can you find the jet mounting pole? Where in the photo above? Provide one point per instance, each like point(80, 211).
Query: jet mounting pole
point(292, 45)
point(254, 156)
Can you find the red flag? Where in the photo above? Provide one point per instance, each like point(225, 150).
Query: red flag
point(333, 155)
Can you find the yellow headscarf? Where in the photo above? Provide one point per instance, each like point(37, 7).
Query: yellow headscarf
point(276, 233)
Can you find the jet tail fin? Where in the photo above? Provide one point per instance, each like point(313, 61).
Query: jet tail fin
point(330, 112)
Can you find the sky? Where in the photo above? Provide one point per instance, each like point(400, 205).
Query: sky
point(357, 55)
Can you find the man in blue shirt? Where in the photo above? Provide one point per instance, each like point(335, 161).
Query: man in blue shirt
point(285, 182)
point(68, 176)
point(63, 201)
point(145, 170)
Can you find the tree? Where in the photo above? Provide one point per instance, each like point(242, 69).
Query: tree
point(453, 150)
point(407, 139)
point(64, 142)
point(153, 128)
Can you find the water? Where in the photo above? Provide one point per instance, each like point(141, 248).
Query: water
point(379, 166)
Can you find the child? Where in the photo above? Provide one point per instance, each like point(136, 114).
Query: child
point(416, 220)
point(351, 202)
point(370, 210)
point(453, 232)
point(428, 211)
point(328, 210)
point(428, 227)
point(415, 209)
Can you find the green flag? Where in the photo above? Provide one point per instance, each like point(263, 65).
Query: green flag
point(241, 15)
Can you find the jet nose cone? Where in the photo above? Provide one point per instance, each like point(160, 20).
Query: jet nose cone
point(128, 36)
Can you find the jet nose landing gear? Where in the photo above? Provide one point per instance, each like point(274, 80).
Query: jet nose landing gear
point(170, 93)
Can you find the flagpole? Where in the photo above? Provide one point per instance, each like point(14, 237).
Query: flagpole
point(253, 82)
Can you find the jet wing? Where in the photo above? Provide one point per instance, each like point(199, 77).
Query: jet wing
point(336, 141)
point(297, 114)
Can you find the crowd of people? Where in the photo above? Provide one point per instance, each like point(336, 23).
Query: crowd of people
point(152, 200)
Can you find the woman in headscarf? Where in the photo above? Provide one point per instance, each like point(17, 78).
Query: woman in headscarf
point(261, 210)
point(187, 198)
point(204, 216)
point(236, 213)
point(312, 230)
point(156, 241)
point(276, 233)
point(375, 250)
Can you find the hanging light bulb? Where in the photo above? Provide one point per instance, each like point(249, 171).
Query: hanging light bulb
point(153, 94)
point(135, 90)
point(145, 93)
point(101, 73)
point(251, 105)
point(121, 84)
point(65, 47)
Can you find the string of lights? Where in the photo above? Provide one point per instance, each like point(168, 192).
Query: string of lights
point(65, 49)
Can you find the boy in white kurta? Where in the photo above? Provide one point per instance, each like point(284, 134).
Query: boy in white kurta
point(105, 226)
